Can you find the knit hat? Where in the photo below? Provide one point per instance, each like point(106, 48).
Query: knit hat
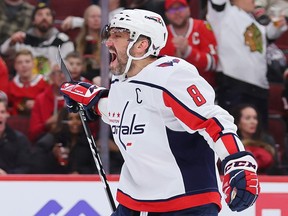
point(40, 6)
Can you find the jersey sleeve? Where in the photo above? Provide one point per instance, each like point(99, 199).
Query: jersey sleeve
point(102, 109)
point(204, 56)
point(37, 123)
point(4, 74)
point(191, 99)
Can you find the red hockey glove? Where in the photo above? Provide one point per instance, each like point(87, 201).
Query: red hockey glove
point(84, 93)
point(240, 185)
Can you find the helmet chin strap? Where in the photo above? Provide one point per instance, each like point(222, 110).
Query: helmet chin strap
point(130, 57)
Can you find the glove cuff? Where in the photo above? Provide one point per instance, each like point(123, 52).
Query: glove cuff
point(92, 110)
point(91, 115)
point(102, 93)
point(239, 161)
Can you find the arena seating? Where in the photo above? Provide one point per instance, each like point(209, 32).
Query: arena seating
point(276, 106)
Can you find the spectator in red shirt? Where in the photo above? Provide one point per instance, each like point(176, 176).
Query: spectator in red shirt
point(46, 107)
point(4, 76)
point(25, 86)
point(190, 39)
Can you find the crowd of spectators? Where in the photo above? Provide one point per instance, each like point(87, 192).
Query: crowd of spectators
point(235, 59)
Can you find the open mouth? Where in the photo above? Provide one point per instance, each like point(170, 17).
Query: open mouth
point(112, 56)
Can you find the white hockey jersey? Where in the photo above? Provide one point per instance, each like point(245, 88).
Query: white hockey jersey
point(168, 129)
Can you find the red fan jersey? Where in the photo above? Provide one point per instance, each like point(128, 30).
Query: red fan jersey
point(202, 47)
point(20, 92)
point(4, 76)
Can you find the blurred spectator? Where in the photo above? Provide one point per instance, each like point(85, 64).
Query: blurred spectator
point(42, 39)
point(250, 131)
point(46, 106)
point(4, 76)
point(25, 86)
point(74, 62)
point(285, 92)
point(267, 10)
point(71, 22)
point(15, 154)
point(156, 6)
point(15, 15)
point(190, 39)
point(88, 42)
point(276, 62)
point(65, 149)
point(242, 44)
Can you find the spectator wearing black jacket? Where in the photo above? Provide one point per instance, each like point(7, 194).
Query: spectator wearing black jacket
point(15, 154)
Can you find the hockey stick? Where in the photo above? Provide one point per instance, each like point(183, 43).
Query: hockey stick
point(89, 136)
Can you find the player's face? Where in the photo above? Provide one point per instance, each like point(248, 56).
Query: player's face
point(248, 121)
point(75, 67)
point(24, 65)
point(178, 14)
point(74, 123)
point(117, 44)
point(43, 20)
point(3, 117)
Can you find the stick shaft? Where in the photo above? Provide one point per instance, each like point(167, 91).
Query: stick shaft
point(96, 157)
point(91, 141)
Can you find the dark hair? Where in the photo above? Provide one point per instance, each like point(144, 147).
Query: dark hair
point(236, 112)
point(123, 3)
point(61, 131)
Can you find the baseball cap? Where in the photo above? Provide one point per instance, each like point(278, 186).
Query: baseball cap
point(169, 3)
point(40, 6)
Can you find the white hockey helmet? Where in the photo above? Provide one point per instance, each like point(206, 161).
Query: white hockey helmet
point(139, 22)
point(143, 22)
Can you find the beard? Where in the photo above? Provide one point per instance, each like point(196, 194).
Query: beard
point(181, 24)
point(120, 66)
point(44, 27)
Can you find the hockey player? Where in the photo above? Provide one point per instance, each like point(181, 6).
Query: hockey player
point(166, 125)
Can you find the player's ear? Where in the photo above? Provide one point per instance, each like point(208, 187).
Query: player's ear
point(142, 45)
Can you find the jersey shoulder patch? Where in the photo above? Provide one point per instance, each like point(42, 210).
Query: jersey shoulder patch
point(208, 26)
point(169, 63)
